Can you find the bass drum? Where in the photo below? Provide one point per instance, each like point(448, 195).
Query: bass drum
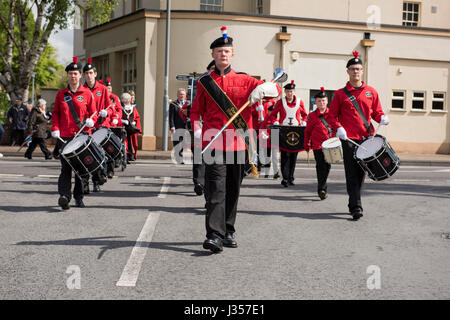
point(84, 155)
point(332, 150)
point(379, 159)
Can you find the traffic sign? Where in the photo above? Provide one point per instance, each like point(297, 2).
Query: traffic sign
point(182, 77)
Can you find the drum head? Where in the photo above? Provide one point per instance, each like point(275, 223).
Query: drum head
point(75, 144)
point(372, 146)
point(331, 143)
point(100, 134)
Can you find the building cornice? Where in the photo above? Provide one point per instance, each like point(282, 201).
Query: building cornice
point(278, 20)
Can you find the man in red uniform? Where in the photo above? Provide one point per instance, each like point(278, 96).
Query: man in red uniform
point(317, 131)
point(350, 123)
point(292, 113)
point(102, 102)
point(230, 90)
point(64, 127)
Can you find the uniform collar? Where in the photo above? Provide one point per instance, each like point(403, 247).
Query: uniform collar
point(227, 70)
point(93, 87)
point(351, 88)
point(325, 112)
point(72, 92)
point(293, 100)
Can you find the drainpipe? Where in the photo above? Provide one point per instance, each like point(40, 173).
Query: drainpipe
point(366, 43)
point(283, 37)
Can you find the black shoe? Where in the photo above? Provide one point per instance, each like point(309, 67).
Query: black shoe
point(27, 156)
point(110, 174)
point(284, 183)
point(291, 183)
point(86, 188)
point(96, 187)
point(276, 175)
point(229, 241)
point(63, 202)
point(48, 157)
point(79, 203)
point(266, 176)
point(214, 244)
point(356, 214)
point(323, 195)
point(198, 188)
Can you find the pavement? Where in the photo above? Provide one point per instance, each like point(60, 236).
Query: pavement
point(405, 158)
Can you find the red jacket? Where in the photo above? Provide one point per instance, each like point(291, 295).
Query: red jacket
point(279, 109)
point(102, 101)
point(343, 113)
point(116, 110)
point(315, 131)
point(62, 119)
point(237, 87)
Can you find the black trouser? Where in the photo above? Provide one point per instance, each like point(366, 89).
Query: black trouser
point(198, 167)
point(322, 170)
point(17, 136)
point(222, 183)
point(110, 166)
point(288, 161)
point(65, 182)
point(354, 175)
point(34, 143)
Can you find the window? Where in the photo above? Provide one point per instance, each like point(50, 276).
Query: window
point(102, 66)
point(410, 14)
point(129, 71)
point(211, 5)
point(418, 100)
point(438, 101)
point(398, 99)
point(259, 7)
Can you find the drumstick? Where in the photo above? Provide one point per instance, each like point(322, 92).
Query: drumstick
point(84, 125)
point(357, 144)
point(376, 131)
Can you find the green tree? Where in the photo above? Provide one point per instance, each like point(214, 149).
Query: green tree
point(24, 37)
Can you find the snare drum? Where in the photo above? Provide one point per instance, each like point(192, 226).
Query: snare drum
point(380, 160)
point(332, 150)
point(84, 155)
point(108, 141)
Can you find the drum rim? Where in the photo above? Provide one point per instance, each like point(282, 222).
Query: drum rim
point(377, 154)
point(76, 154)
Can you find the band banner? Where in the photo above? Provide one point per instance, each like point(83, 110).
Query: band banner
point(290, 138)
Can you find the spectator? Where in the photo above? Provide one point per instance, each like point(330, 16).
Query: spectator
point(37, 125)
point(133, 96)
point(2, 132)
point(17, 116)
point(132, 122)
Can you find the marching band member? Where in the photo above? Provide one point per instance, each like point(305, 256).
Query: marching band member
point(292, 113)
point(176, 121)
point(102, 102)
point(266, 150)
point(65, 126)
point(230, 90)
point(317, 131)
point(351, 111)
point(132, 121)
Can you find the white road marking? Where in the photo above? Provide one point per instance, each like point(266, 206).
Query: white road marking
point(412, 180)
point(47, 176)
point(131, 271)
point(10, 175)
point(164, 188)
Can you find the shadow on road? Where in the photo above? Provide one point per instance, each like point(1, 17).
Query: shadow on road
point(110, 243)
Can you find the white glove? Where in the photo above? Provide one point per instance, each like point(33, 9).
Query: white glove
point(125, 122)
point(115, 121)
point(89, 123)
point(55, 134)
point(103, 113)
point(341, 133)
point(267, 89)
point(260, 108)
point(264, 135)
point(172, 129)
point(198, 133)
point(276, 123)
point(133, 123)
point(303, 124)
point(384, 120)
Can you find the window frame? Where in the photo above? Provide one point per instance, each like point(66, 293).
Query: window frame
point(205, 5)
point(403, 98)
point(443, 100)
point(406, 21)
point(129, 70)
point(423, 99)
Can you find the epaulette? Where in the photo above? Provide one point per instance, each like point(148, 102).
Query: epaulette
point(240, 72)
point(205, 74)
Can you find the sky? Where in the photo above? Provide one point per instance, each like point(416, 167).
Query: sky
point(62, 41)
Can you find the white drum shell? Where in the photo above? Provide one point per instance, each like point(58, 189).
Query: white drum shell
point(332, 150)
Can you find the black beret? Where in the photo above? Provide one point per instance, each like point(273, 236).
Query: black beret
point(223, 41)
point(290, 85)
point(355, 60)
point(74, 66)
point(88, 66)
point(321, 94)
